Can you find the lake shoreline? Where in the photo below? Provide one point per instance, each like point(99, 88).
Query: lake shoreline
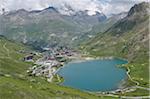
point(85, 59)
point(122, 87)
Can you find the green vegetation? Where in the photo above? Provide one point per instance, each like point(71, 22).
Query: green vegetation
point(128, 39)
point(138, 92)
point(57, 79)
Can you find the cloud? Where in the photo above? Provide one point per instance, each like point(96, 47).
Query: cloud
point(105, 6)
point(118, 6)
point(77, 5)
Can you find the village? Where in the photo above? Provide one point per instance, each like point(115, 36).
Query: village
point(50, 61)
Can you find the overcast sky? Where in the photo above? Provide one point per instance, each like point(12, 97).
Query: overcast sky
point(105, 6)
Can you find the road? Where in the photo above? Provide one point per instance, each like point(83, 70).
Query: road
point(4, 46)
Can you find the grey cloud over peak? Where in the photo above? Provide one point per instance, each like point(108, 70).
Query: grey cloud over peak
point(105, 6)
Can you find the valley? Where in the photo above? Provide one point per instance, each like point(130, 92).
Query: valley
point(15, 82)
point(37, 47)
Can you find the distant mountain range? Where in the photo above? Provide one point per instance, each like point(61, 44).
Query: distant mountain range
point(48, 26)
point(106, 24)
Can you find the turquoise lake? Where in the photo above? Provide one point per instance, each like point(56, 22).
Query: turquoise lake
point(94, 75)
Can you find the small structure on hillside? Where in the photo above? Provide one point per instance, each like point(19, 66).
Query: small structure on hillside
point(28, 58)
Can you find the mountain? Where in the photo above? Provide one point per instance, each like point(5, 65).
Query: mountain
point(47, 27)
point(106, 24)
point(83, 17)
point(101, 27)
point(136, 15)
point(128, 38)
point(128, 30)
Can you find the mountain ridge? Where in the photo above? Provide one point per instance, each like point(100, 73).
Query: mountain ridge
point(40, 26)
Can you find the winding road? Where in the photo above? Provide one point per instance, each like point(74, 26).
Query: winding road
point(4, 46)
point(8, 53)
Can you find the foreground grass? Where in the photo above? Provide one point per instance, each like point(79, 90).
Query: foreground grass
point(22, 88)
point(138, 92)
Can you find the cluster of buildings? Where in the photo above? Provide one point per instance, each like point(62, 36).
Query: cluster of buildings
point(30, 55)
point(45, 68)
point(52, 59)
point(59, 51)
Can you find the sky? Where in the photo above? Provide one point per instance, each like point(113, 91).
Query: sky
point(106, 6)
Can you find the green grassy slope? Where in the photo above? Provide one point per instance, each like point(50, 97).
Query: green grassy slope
point(127, 39)
point(16, 84)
